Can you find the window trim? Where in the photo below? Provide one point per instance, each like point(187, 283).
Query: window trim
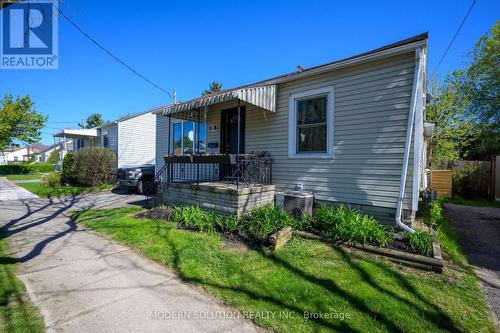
point(329, 91)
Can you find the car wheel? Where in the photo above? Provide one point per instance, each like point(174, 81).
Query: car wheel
point(140, 187)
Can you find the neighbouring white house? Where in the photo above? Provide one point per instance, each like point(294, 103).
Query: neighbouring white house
point(21, 154)
point(131, 138)
point(43, 155)
point(349, 131)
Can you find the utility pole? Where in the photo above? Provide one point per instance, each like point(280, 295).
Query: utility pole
point(174, 95)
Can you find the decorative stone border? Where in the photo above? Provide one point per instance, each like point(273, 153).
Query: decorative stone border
point(409, 259)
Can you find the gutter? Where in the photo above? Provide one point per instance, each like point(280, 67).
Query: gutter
point(411, 122)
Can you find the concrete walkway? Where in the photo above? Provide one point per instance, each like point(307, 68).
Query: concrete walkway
point(83, 282)
point(10, 191)
point(478, 230)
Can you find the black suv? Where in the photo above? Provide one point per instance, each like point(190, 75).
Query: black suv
point(139, 178)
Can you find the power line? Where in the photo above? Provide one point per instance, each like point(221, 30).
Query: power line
point(109, 52)
point(454, 37)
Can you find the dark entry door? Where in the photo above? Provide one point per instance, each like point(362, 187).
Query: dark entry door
point(229, 131)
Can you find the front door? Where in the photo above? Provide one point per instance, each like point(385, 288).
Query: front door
point(229, 131)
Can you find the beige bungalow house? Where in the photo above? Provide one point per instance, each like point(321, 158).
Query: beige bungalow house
point(350, 131)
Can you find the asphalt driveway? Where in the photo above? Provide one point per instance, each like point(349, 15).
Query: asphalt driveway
point(478, 230)
point(83, 282)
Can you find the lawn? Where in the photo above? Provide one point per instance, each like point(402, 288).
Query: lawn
point(457, 199)
point(29, 176)
point(345, 290)
point(47, 191)
point(17, 314)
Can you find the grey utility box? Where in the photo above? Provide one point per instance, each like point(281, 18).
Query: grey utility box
point(297, 203)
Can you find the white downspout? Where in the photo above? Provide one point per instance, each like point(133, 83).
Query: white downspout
point(409, 132)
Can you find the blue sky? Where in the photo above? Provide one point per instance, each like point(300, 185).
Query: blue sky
point(185, 45)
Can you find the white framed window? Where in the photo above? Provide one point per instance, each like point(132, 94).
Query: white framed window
point(310, 123)
point(185, 137)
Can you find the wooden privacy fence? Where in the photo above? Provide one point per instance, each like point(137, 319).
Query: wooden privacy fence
point(470, 179)
point(441, 182)
point(478, 181)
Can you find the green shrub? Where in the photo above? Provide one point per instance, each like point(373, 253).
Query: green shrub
point(95, 166)
point(436, 212)
point(52, 179)
point(265, 220)
point(420, 242)
point(226, 223)
point(21, 169)
point(196, 218)
point(53, 156)
point(349, 225)
point(325, 217)
point(42, 167)
point(68, 172)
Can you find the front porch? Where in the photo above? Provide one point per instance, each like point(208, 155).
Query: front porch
point(223, 198)
point(207, 161)
point(229, 184)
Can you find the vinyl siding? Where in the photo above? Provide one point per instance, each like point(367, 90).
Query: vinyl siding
point(371, 107)
point(162, 135)
point(112, 132)
point(136, 140)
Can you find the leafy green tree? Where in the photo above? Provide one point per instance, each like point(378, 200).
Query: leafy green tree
point(92, 121)
point(53, 157)
point(466, 106)
point(19, 121)
point(212, 87)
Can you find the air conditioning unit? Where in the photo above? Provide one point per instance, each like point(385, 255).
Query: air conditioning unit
point(297, 203)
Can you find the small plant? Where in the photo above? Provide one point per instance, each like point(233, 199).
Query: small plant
point(436, 212)
point(349, 225)
point(420, 242)
point(226, 223)
point(194, 217)
point(52, 179)
point(263, 221)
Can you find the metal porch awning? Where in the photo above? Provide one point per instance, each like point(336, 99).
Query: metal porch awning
point(77, 133)
point(263, 97)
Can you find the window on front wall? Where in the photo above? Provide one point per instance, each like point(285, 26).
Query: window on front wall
point(185, 137)
point(105, 141)
point(311, 123)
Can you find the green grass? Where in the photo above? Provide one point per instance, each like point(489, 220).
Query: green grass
point(457, 199)
point(47, 191)
point(446, 237)
point(29, 176)
point(17, 314)
point(305, 276)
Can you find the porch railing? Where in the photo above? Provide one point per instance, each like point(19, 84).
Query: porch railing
point(241, 170)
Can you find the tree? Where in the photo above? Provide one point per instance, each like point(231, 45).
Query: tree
point(466, 106)
point(19, 121)
point(92, 121)
point(212, 87)
point(53, 157)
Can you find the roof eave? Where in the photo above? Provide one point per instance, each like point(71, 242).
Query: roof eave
point(352, 61)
